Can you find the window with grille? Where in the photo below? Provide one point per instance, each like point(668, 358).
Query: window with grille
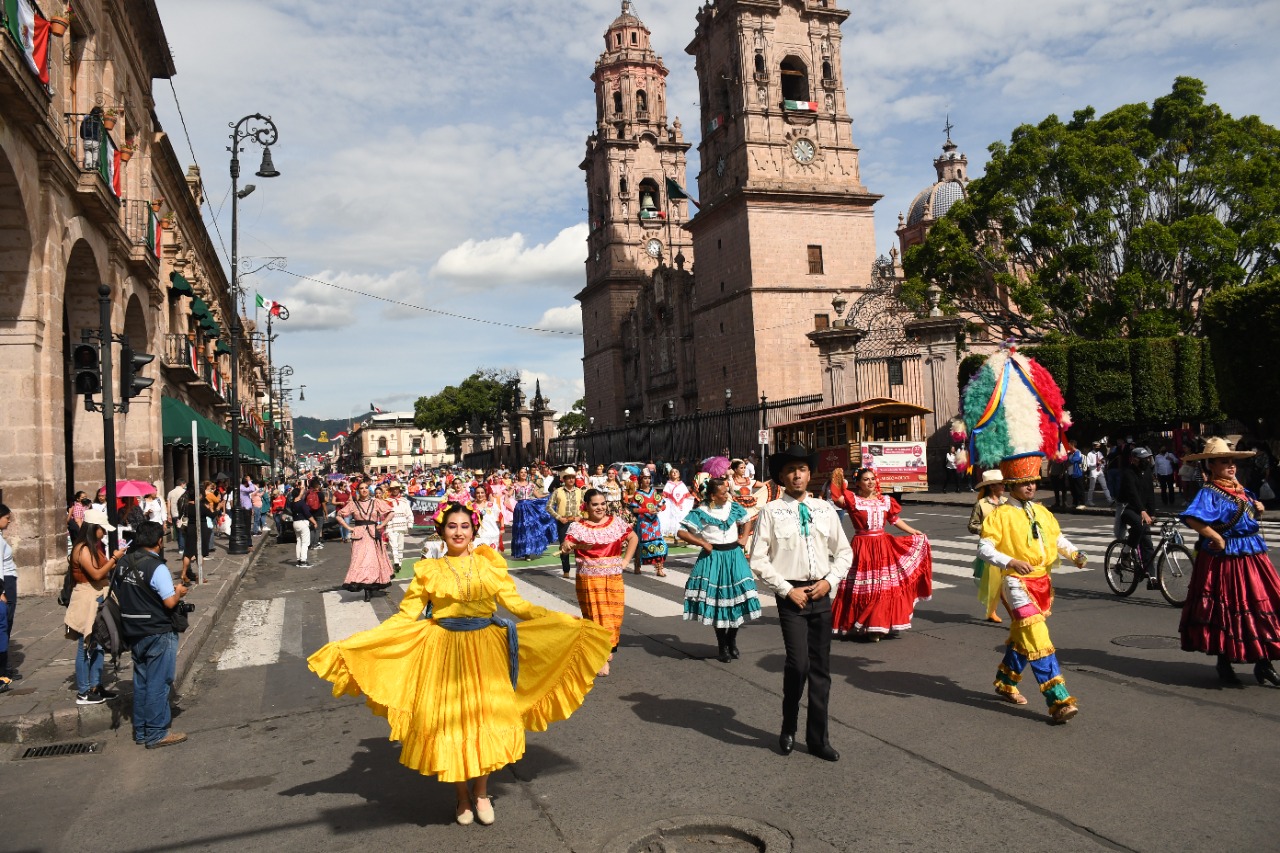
point(815, 260)
point(895, 372)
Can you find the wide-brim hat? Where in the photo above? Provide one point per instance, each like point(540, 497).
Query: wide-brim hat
point(1219, 448)
point(794, 453)
point(1021, 468)
point(569, 472)
point(991, 477)
point(98, 517)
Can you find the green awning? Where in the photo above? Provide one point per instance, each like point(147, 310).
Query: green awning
point(223, 347)
point(179, 285)
point(176, 418)
point(200, 308)
point(211, 328)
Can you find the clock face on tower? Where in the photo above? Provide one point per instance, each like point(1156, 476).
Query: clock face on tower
point(720, 166)
point(653, 248)
point(803, 150)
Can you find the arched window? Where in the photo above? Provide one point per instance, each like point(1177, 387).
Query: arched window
point(642, 101)
point(795, 79)
point(759, 63)
point(617, 102)
point(622, 185)
point(650, 200)
point(826, 69)
point(382, 445)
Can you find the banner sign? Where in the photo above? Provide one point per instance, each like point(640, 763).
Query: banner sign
point(423, 509)
point(898, 464)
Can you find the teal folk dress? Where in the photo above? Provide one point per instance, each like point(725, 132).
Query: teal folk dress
point(721, 590)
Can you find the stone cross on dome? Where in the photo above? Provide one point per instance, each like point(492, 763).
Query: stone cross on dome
point(948, 127)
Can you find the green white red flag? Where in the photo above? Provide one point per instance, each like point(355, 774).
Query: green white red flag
point(31, 30)
point(272, 308)
point(802, 106)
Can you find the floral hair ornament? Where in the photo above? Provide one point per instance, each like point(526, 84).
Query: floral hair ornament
point(447, 506)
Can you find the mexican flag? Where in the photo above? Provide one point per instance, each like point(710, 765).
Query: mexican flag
point(31, 31)
point(191, 358)
point(109, 163)
point(803, 106)
point(272, 308)
point(153, 232)
point(375, 409)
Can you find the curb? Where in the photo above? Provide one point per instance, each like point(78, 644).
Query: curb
point(76, 721)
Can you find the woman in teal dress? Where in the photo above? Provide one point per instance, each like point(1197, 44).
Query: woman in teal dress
point(647, 503)
point(721, 590)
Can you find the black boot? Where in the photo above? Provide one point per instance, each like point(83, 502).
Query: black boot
point(1226, 675)
point(722, 652)
point(731, 640)
point(1265, 672)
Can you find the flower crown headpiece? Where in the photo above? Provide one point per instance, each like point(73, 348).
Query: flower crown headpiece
point(447, 506)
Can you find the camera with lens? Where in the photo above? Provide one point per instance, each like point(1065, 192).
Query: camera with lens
point(184, 607)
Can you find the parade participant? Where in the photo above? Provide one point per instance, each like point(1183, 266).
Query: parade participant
point(646, 503)
point(602, 545)
point(565, 506)
point(799, 553)
point(459, 491)
point(614, 492)
point(1234, 593)
point(459, 685)
point(889, 573)
point(721, 590)
point(742, 489)
point(598, 479)
point(679, 500)
point(1013, 410)
point(532, 527)
point(490, 510)
point(990, 495)
point(398, 524)
point(370, 570)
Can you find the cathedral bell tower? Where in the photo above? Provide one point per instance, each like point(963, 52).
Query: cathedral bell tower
point(786, 222)
point(632, 160)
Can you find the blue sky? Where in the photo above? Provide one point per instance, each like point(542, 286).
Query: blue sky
point(429, 151)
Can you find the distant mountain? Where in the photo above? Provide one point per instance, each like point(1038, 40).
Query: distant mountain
point(314, 426)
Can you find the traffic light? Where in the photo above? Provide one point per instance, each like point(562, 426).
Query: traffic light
point(131, 384)
point(88, 372)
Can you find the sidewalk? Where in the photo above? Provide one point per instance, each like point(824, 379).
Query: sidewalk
point(41, 707)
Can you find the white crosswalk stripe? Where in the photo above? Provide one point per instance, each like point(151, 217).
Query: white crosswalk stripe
point(345, 615)
point(257, 635)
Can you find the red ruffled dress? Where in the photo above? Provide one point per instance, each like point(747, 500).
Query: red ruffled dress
point(889, 573)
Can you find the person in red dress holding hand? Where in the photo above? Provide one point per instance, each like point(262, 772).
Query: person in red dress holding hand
point(602, 544)
point(889, 574)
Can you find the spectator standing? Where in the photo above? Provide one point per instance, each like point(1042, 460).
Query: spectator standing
point(91, 570)
point(951, 475)
point(303, 523)
point(245, 497)
point(176, 517)
point(1096, 463)
point(341, 497)
point(1166, 464)
point(91, 133)
point(149, 610)
point(8, 598)
point(259, 508)
point(1075, 477)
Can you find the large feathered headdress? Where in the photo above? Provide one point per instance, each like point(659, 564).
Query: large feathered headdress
point(1013, 416)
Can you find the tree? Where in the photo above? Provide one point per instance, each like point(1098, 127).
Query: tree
point(575, 420)
point(481, 400)
point(1244, 325)
point(1117, 226)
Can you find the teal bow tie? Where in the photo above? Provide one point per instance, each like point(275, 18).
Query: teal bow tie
point(805, 517)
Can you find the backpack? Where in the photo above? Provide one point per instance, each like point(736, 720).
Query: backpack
point(313, 499)
point(1075, 459)
point(108, 629)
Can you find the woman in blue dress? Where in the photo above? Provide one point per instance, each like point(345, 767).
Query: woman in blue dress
point(721, 590)
point(646, 504)
point(533, 529)
point(1234, 594)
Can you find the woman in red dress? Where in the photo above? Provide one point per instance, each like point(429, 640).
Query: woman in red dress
point(603, 544)
point(889, 573)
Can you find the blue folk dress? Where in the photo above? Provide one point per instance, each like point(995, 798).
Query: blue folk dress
point(721, 590)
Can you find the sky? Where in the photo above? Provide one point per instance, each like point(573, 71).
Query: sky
point(429, 151)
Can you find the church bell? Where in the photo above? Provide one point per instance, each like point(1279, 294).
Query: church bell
point(646, 201)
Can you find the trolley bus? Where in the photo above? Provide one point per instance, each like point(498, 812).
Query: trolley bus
point(881, 433)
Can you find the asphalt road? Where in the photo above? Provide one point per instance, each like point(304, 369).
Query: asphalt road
point(1159, 759)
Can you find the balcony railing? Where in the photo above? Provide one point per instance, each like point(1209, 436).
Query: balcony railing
point(143, 227)
point(181, 358)
point(93, 149)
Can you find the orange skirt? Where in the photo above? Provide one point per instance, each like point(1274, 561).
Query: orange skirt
point(601, 598)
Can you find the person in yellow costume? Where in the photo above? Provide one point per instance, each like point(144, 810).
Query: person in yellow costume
point(459, 685)
point(1022, 539)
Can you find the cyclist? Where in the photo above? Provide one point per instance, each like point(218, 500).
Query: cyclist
point(1137, 492)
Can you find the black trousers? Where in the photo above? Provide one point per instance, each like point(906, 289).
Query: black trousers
point(1139, 535)
point(807, 636)
point(561, 530)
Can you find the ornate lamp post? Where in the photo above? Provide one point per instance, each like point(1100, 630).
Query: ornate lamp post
point(263, 131)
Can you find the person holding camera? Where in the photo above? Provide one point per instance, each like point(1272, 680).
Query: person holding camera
point(153, 614)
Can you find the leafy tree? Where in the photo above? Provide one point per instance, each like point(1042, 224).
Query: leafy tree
point(1244, 325)
point(575, 420)
point(1111, 226)
point(480, 401)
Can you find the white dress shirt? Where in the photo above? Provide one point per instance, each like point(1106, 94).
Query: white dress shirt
point(783, 558)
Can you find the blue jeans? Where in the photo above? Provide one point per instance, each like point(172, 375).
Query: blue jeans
point(88, 667)
point(179, 537)
point(155, 663)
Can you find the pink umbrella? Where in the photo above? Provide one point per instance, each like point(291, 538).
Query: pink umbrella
point(134, 489)
point(716, 466)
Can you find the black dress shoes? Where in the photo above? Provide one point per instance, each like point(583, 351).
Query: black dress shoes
point(826, 752)
point(1266, 673)
point(786, 743)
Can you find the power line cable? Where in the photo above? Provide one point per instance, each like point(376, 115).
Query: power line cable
point(187, 133)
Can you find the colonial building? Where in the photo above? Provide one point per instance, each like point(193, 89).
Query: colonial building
point(391, 442)
point(785, 221)
point(92, 192)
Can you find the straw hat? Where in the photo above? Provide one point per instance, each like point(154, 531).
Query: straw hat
point(991, 477)
point(98, 517)
point(1219, 448)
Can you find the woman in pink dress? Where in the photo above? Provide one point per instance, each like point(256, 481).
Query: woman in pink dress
point(889, 573)
point(366, 517)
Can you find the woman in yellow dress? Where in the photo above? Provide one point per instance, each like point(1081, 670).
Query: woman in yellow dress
point(458, 685)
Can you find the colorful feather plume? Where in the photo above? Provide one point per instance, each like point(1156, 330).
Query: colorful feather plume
point(1012, 407)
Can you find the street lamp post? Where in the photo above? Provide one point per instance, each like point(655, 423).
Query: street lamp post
point(263, 132)
point(283, 372)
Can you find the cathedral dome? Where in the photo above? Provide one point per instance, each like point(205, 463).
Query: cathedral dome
point(627, 18)
point(934, 201)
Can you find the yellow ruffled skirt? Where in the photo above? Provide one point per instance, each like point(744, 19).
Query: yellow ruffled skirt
point(448, 696)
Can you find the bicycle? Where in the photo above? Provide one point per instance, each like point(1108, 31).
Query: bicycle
point(1173, 563)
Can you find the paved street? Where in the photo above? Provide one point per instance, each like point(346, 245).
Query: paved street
point(931, 759)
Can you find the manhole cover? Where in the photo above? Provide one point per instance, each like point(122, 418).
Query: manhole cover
point(57, 749)
point(1147, 641)
point(703, 834)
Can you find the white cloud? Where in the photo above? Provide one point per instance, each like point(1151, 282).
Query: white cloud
point(509, 260)
point(566, 319)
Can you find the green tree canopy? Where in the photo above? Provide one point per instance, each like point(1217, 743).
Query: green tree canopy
point(575, 420)
point(481, 400)
point(1111, 226)
point(1244, 324)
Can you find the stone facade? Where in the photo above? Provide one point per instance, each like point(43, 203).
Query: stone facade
point(74, 216)
point(391, 442)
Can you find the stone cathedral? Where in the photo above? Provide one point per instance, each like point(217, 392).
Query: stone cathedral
point(688, 304)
